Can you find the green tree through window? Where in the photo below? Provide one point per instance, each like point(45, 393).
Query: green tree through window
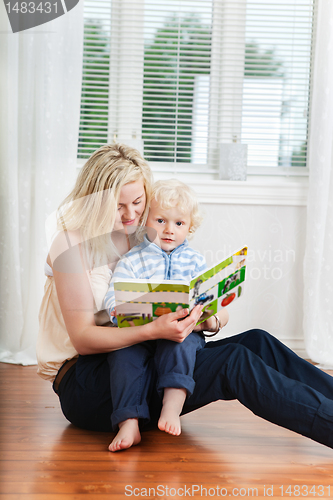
point(93, 130)
point(180, 51)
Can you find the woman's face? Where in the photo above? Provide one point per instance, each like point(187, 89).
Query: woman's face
point(131, 204)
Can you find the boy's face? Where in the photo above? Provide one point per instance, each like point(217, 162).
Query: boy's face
point(171, 226)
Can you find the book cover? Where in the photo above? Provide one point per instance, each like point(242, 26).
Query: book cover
point(141, 301)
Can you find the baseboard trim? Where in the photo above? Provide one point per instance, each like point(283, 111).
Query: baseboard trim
point(296, 345)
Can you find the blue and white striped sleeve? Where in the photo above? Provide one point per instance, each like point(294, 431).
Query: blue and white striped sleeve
point(123, 270)
point(109, 301)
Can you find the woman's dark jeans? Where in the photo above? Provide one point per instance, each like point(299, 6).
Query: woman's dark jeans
point(253, 367)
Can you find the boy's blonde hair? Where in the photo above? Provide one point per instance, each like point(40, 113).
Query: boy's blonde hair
point(92, 205)
point(173, 192)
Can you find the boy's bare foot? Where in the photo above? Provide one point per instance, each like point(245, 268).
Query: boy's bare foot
point(128, 435)
point(173, 401)
point(169, 422)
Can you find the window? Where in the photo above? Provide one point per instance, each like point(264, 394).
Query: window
point(183, 76)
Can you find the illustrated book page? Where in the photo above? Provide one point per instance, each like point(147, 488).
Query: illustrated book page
point(140, 301)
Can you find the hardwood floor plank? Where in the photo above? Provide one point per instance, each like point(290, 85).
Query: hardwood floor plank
point(158, 467)
point(43, 457)
point(156, 476)
point(257, 490)
point(56, 496)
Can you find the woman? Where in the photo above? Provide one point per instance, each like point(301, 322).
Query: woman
point(73, 345)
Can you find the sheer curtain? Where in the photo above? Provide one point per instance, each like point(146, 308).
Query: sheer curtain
point(39, 100)
point(318, 263)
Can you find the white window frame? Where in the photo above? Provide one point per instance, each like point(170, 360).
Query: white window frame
point(266, 185)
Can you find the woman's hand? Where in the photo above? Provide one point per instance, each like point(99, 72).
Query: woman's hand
point(210, 324)
point(175, 326)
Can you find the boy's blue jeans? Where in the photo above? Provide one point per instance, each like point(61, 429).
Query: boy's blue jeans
point(130, 374)
point(253, 367)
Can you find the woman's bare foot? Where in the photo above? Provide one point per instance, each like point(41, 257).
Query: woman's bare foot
point(173, 401)
point(128, 435)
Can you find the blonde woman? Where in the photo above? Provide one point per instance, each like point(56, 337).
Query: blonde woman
point(98, 222)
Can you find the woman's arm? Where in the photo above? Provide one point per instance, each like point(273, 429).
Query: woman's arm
point(223, 314)
point(77, 306)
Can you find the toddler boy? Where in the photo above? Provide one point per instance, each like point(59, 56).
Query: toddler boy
point(173, 216)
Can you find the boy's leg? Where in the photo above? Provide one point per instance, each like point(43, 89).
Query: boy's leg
point(172, 406)
point(85, 398)
point(175, 362)
point(270, 380)
point(130, 374)
point(174, 365)
point(130, 382)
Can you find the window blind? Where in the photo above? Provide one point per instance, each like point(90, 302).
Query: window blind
point(276, 87)
point(177, 62)
point(184, 76)
point(95, 77)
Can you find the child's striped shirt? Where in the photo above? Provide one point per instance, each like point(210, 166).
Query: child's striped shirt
point(149, 261)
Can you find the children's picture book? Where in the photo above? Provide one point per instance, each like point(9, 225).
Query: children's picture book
point(140, 301)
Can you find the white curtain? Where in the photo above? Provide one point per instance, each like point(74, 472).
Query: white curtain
point(318, 263)
point(39, 120)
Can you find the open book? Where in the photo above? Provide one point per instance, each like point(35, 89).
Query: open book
point(140, 301)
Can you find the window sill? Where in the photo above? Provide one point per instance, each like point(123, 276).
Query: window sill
point(256, 190)
point(253, 192)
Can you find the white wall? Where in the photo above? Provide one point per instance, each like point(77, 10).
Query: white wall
point(275, 235)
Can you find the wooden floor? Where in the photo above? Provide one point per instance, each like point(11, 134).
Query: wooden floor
point(224, 450)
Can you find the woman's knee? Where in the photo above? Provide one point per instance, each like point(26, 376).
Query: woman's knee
point(259, 334)
point(236, 356)
point(257, 339)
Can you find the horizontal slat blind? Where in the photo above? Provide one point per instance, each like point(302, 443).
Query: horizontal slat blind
point(176, 80)
point(185, 75)
point(276, 87)
point(95, 77)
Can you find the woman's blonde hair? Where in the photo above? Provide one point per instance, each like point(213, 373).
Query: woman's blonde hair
point(92, 205)
point(171, 193)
